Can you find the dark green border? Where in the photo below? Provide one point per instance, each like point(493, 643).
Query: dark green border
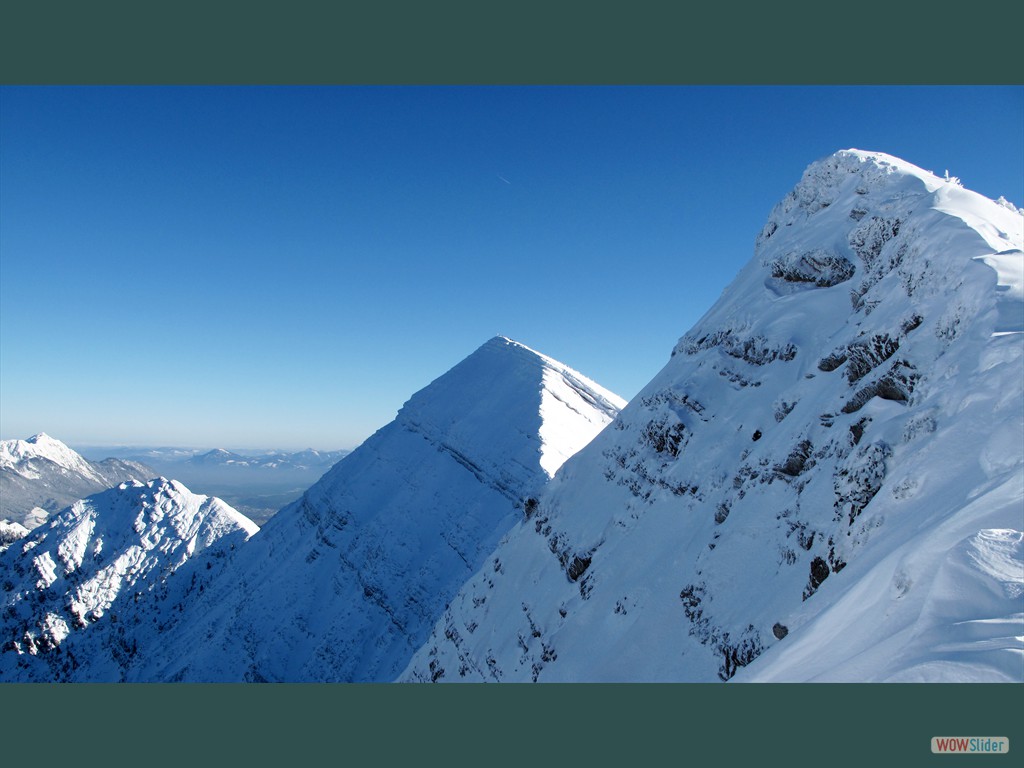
point(581, 725)
point(520, 41)
point(496, 43)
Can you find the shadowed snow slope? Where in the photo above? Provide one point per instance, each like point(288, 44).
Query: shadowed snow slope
point(344, 584)
point(824, 482)
point(87, 595)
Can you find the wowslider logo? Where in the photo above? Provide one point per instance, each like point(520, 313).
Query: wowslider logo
point(970, 745)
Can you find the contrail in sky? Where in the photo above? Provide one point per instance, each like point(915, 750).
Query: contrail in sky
point(504, 179)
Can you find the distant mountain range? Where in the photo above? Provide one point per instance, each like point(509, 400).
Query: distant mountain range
point(256, 483)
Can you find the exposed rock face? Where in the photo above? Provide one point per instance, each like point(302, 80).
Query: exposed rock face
point(851, 403)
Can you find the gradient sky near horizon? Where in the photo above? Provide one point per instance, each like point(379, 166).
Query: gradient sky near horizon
point(283, 267)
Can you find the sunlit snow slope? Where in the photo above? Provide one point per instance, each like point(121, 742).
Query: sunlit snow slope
point(346, 583)
point(41, 475)
point(88, 595)
point(825, 482)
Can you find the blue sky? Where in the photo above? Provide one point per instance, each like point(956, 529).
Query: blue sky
point(284, 267)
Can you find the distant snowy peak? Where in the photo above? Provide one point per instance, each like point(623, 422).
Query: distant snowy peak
point(42, 475)
point(504, 382)
point(160, 520)
point(18, 455)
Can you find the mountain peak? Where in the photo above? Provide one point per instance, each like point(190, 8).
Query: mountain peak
point(109, 561)
point(850, 410)
point(556, 408)
point(515, 350)
point(345, 583)
point(15, 455)
point(43, 475)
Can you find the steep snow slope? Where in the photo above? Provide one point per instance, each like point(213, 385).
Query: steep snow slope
point(86, 596)
point(346, 583)
point(827, 474)
point(41, 475)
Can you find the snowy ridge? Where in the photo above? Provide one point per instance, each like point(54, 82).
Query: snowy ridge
point(87, 595)
point(344, 584)
point(18, 455)
point(791, 496)
point(42, 475)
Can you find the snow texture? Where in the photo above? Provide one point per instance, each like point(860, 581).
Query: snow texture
point(346, 583)
point(41, 475)
point(823, 483)
point(88, 596)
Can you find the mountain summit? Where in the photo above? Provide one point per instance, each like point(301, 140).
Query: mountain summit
point(41, 475)
point(345, 584)
point(823, 483)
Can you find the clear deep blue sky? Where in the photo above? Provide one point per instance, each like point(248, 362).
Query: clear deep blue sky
point(284, 267)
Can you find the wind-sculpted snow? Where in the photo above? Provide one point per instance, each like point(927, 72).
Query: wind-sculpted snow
point(824, 482)
point(346, 583)
point(88, 595)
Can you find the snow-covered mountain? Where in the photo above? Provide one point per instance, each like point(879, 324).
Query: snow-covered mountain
point(345, 584)
point(41, 475)
point(825, 482)
point(10, 533)
point(87, 596)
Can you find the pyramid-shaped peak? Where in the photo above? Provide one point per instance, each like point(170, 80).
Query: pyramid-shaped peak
point(351, 577)
point(505, 389)
point(511, 349)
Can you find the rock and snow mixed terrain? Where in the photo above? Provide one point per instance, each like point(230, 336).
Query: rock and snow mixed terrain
point(41, 475)
point(824, 482)
point(88, 595)
point(345, 584)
